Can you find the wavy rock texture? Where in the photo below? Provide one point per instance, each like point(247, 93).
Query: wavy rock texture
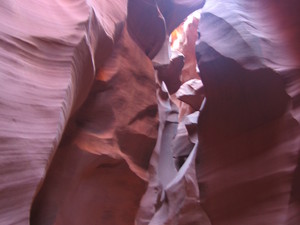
point(90, 135)
point(50, 52)
point(249, 151)
point(118, 125)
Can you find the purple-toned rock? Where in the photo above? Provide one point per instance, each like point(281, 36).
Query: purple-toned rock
point(249, 152)
point(91, 131)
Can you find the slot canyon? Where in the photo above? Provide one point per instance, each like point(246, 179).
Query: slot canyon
point(149, 112)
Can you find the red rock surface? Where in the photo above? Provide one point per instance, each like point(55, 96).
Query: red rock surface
point(90, 135)
point(249, 152)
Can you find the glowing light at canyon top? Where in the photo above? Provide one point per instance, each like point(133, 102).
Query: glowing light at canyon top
point(178, 36)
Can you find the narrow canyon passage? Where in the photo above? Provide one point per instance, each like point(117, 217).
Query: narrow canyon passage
point(133, 112)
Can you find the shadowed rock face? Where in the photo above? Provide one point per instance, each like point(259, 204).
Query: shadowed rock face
point(89, 135)
point(248, 158)
point(117, 130)
point(46, 72)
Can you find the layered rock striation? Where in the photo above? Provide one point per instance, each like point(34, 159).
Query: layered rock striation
point(101, 123)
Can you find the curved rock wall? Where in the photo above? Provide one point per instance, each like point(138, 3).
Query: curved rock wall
point(88, 130)
point(249, 153)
